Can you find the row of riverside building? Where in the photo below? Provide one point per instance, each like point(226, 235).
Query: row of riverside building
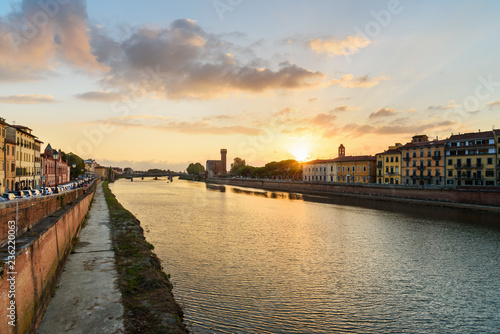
point(468, 159)
point(24, 165)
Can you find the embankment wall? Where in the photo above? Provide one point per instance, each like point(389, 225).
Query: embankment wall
point(40, 255)
point(473, 196)
point(31, 211)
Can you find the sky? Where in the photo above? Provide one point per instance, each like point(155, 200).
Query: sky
point(161, 84)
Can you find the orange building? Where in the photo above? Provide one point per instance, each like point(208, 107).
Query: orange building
point(423, 161)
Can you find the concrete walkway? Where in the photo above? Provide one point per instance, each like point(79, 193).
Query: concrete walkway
point(87, 299)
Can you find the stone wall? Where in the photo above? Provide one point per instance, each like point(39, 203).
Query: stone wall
point(32, 211)
point(462, 195)
point(39, 260)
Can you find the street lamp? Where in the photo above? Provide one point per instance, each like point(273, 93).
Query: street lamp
point(55, 155)
point(74, 171)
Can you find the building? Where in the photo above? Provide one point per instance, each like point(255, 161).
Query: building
point(216, 168)
point(319, 170)
point(471, 159)
point(90, 167)
point(39, 165)
point(389, 165)
point(423, 161)
point(55, 172)
point(10, 164)
point(25, 156)
point(497, 140)
point(3, 156)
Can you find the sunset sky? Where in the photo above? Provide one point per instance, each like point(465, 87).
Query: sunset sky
point(160, 84)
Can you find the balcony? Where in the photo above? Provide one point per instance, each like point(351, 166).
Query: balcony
point(479, 165)
point(459, 166)
point(421, 177)
point(406, 158)
point(436, 157)
point(421, 167)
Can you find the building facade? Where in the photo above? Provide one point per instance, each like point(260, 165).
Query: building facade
point(216, 168)
point(319, 171)
point(10, 165)
point(89, 167)
point(56, 172)
point(423, 161)
point(356, 169)
point(389, 165)
point(471, 159)
point(25, 157)
point(497, 140)
point(3, 156)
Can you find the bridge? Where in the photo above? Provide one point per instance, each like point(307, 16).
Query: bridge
point(146, 174)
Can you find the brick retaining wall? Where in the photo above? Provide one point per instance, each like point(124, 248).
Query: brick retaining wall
point(32, 211)
point(40, 257)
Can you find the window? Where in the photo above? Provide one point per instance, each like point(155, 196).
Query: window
point(490, 161)
point(450, 182)
point(364, 168)
point(397, 159)
point(407, 172)
point(338, 169)
point(343, 169)
point(437, 163)
point(428, 163)
point(397, 170)
point(421, 154)
point(450, 162)
point(348, 169)
point(387, 159)
point(429, 153)
point(387, 169)
point(392, 159)
point(364, 178)
point(414, 154)
point(490, 173)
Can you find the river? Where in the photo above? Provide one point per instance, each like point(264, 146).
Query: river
point(254, 261)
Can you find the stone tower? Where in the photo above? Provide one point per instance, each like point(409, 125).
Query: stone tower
point(341, 151)
point(223, 158)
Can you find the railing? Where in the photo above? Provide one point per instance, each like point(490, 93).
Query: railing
point(459, 166)
point(421, 167)
point(436, 157)
point(406, 158)
point(479, 165)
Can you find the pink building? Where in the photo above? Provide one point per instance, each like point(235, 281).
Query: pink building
point(49, 168)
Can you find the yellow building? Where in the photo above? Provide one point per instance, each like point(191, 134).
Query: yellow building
point(389, 165)
point(355, 169)
point(423, 161)
point(471, 159)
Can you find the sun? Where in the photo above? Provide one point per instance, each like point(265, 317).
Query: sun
point(301, 152)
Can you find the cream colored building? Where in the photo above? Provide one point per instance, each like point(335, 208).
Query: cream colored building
point(26, 162)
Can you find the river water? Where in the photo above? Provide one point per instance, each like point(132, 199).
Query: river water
point(254, 261)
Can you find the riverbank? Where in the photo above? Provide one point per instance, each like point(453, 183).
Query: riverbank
point(149, 304)
point(474, 199)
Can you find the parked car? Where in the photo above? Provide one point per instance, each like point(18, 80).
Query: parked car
point(36, 193)
point(19, 194)
point(9, 196)
point(47, 191)
point(28, 193)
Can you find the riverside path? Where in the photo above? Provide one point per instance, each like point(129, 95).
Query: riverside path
point(87, 299)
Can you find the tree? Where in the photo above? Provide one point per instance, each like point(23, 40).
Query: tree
point(237, 164)
point(71, 159)
point(195, 169)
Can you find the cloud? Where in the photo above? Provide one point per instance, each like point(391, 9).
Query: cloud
point(344, 47)
point(169, 124)
point(311, 100)
point(100, 96)
point(27, 99)
point(34, 38)
point(452, 105)
point(362, 81)
point(358, 130)
point(182, 61)
point(382, 112)
point(343, 108)
point(493, 104)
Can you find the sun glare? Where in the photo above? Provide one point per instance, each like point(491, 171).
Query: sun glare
point(301, 152)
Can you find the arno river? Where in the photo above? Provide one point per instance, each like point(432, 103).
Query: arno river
point(251, 261)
